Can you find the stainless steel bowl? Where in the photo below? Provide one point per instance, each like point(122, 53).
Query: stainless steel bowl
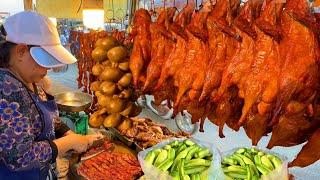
point(73, 101)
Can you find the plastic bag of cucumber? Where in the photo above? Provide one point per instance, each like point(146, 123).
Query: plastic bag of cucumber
point(181, 159)
point(253, 164)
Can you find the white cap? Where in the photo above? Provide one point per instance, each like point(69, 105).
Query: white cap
point(34, 29)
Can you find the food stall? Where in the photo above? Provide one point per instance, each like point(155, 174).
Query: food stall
point(164, 88)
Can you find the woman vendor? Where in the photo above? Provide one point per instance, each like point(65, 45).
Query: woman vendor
point(31, 134)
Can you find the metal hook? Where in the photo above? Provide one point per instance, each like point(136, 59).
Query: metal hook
point(196, 6)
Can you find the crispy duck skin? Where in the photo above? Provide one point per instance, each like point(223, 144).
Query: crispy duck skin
point(191, 76)
point(297, 85)
point(217, 48)
point(262, 80)
point(254, 65)
point(298, 48)
point(239, 64)
point(218, 23)
point(310, 152)
point(234, 74)
point(267, 55)
point(161, 47)
point(178, 53)
point(141, 52)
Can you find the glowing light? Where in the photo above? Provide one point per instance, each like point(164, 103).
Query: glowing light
point(93, 18)
point(53, 20)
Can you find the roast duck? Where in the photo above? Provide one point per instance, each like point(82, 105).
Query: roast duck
point(251, 65)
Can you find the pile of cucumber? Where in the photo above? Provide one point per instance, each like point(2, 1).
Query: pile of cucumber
point(183, 160)
point(249, 164)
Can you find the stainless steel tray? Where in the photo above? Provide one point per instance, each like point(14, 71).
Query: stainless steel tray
point(73, 101)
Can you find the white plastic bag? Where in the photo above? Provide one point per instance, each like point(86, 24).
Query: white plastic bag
point(280, 173)
point(152, 173)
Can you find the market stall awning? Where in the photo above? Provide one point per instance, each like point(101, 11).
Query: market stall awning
point(73, 8)
point(60, 8)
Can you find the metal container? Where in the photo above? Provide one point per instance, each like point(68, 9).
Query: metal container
point(122, 138)
point(73, 101)
point(127, 141)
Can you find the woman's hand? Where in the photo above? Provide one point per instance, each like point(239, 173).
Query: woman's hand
point(84, 142)
point(76, 142)
point(68, 133)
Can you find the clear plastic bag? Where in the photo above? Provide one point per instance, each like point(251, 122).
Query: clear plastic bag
point(280, 173)
point(152, 173)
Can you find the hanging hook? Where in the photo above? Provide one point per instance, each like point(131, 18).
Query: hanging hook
point(113, 19)
point(79, 6)
point(197, 6)
point(201, 5)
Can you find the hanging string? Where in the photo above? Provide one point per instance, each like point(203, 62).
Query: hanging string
point(127, 9)
point(152, 5)
point(112, 10)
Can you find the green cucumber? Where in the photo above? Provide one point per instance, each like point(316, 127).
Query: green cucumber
point(245, 159)
point(197, 162)
point(249, 173)
point(171, 154)
point(188, 142)
point(236, 169)
point(241, 151)
point(175, 165)
point(203, 153)
point(174, 144)
point(185, 177)
point(181, 148)
point(163, 155)
point(276, 161)
point(195, 170)
point(263, 170)
point(192, 152)
point(166, 165)
point(266, 161)
point(229, 161)
point(235, 175)
point(239, 159)
point(181, 168)
point(151, 156)
point(184, 153)
point(167, 147)
point(257, 159)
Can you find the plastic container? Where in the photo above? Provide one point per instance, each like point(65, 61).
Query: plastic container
point(77, 122)
point(280, 173)
point(82, 125)
point(152, 173)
